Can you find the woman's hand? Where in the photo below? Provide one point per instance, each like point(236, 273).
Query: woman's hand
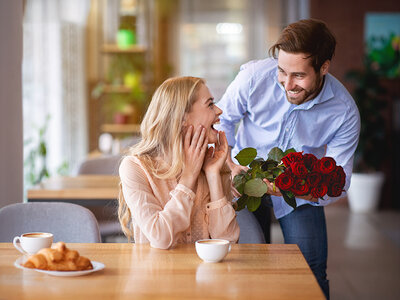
point(215, 159)
point(194, 149)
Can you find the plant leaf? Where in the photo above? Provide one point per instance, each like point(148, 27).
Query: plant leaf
point(289, 198)
point(238, 182)
point(246, 156)
point(241, 202)
point(275, 154)
point(288, 151)
point(253, 203)
point(255, 187)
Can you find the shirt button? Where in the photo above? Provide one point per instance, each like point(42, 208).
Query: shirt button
point(188, 234)
point(208, 206)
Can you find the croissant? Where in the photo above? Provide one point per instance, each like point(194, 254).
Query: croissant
point(58, 258)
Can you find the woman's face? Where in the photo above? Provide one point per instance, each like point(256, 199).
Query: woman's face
point(204, 112)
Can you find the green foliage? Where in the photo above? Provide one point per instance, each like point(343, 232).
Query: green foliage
point(369, 96)
point(35, 163)
point(384, 55)
point(250, 184)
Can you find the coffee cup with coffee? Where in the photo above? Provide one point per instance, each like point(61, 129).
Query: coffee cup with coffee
point(212, 250)
point(32, 242)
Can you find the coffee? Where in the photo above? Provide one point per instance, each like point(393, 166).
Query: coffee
point(32, 242)
point(214, 242)
point(212, 250)
point(36, 235)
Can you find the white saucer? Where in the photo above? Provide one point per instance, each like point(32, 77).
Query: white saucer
point(97, 266)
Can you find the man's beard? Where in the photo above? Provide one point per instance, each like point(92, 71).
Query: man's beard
point(308, 94)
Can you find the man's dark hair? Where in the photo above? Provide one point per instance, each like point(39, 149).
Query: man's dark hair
point(311, 37)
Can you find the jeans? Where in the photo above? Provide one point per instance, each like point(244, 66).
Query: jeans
point(306, 227)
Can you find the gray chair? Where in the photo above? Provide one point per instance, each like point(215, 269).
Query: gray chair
point(103, 165)
point(250, 229)
point(70, 223)
point(106, 215)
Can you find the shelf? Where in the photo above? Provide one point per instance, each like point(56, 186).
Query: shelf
point(108, 89)
point(121, 128)
point(113, 48)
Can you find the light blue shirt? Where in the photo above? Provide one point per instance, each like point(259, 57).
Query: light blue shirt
point(328, 125)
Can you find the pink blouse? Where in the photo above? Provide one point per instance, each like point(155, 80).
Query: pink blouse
point(165, 213)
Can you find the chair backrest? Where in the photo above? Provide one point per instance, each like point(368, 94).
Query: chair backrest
point(70, 223)
point(250, 229)
point(107, 165)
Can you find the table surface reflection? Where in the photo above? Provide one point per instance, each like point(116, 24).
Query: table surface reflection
point(250, 271)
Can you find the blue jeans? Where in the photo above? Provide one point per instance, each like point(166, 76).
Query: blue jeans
point(306, 227)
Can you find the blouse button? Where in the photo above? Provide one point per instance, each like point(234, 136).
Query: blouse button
point(188, 234)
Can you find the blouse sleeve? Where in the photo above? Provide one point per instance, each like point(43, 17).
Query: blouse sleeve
point(221, 215)
point(160, 225)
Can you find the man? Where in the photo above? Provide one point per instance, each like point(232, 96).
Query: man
point(291, 101)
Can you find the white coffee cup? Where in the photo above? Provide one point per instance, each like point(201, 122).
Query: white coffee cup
point(212, 250)
point(32, 242)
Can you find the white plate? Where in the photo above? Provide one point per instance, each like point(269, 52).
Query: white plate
point(97, 266)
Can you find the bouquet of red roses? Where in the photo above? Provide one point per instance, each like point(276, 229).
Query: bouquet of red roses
point(294, 173)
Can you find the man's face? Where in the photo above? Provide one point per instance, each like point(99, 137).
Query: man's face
point(298, 77)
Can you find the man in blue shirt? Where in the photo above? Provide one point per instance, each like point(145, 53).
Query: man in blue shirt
point(291, 101)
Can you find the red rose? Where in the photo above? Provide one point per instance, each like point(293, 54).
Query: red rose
point(319, 191)
point(340, 175)
point(316, 167)
point(309, 160)
point(329, 179)
point(292, 157)
point(327, 165)
point(299, 169)
point(300, 187)
point(313, 179)
point(284, 181)
point(335, 190)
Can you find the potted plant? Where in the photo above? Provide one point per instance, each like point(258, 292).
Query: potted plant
point(369, 94)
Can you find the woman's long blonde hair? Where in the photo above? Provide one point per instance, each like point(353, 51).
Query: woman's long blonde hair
point(161, 134)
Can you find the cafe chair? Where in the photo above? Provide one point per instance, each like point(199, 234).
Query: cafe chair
point(103, 165)
point(250, 229)
point(70, 223)
point(106, 215)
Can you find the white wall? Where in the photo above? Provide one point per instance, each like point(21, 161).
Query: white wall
point(11, 134)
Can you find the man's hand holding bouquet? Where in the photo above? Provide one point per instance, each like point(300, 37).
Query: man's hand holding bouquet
point(289, 174)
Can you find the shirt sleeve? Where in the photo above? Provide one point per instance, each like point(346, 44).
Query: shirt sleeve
point(221, 215)
point(234, 104)
point(342, 148)
point(160, 225)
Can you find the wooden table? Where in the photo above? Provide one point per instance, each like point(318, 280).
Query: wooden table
point(83, 189)
point(133, 271)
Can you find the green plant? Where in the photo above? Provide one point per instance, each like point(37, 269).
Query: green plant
point(35, 173)
point(369, 96)
point(384, 55)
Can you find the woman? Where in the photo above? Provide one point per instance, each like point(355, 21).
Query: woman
point(174, 188)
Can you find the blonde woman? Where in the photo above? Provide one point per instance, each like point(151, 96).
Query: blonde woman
point(174, 188)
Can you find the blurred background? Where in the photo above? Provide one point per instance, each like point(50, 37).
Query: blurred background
point(76, 77)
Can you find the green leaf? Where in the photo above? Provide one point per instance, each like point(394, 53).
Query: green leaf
point(246, 156)
point(288, 151)
point(253, 203)
point(238, 182)
point(255, 187)
point(289, 198)
point(275, 154)
point(277, 172)
point(241, 202)
point(256, 164)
